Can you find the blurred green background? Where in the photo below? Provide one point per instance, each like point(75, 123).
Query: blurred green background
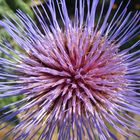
point(9, 7)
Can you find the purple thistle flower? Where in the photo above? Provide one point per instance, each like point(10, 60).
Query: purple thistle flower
point(76, 79)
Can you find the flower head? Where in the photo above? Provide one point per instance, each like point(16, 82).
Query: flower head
point(76, 79)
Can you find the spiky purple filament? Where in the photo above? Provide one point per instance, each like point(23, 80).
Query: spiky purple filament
point(76, 79)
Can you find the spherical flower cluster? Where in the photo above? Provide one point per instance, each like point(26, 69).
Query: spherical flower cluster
point(75, 79)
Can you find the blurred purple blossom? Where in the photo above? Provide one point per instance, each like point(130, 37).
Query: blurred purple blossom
point(76, 79)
